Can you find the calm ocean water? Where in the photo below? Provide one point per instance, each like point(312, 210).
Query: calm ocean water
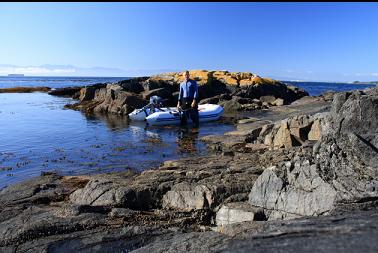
point(38, 134)
point(317, 88)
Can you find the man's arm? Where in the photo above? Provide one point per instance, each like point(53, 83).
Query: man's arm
point(179, 97)
point(195, 96)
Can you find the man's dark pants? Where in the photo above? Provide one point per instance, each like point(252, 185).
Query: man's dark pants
point(189, 112)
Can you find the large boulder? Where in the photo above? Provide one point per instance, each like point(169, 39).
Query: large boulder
point(268, 99)
point(119, 102)
point(104, 193)
point(268, 87)
point(133, 85)
point(298, 191)
point(186, 197)
point(343, 167)
point(315, 131)
point(284, 138)
point(88, 93)
point(356, 112)
point(231, 106)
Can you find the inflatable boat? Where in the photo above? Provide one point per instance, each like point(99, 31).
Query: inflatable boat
point(142, 113)
point(172, 116)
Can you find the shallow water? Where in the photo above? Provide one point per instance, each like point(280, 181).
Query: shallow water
point(38, 134)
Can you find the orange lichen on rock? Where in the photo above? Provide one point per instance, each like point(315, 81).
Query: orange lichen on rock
point(204, 77)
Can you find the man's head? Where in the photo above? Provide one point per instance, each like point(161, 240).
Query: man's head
point(186, 75)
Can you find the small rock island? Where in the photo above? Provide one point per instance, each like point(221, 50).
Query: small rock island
point(235, 91)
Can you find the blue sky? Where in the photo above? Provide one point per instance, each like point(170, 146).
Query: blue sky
point(305, 41)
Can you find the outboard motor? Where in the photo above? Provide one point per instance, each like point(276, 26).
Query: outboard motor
point(156, 101)
point(155, 104)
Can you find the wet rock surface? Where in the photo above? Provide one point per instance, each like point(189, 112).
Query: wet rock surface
point(66, 92)
point(315, 191)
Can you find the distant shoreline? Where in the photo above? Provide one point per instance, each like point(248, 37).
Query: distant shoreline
point(24, 89)
point(303, 81)
point(16, 75)
point(373, 82)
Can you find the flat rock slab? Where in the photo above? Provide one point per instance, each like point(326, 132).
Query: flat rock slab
point(355, 232)
point(224, 142)
point(303, 106)
point(245, 127)
point(248, 120)
point(237, 212)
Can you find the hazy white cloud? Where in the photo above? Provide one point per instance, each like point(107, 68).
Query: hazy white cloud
point(366, 74)
point(148, 72)
point(69, 70)
point(37, 70)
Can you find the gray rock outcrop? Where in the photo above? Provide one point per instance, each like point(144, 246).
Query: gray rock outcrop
point(343, 167)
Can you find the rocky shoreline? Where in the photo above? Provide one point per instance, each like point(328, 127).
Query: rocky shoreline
point(235, 91)
point(298, 177)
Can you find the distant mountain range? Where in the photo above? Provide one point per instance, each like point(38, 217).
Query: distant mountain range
point(16, 75)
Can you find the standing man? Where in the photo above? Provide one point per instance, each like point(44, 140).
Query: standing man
point(188, 99)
